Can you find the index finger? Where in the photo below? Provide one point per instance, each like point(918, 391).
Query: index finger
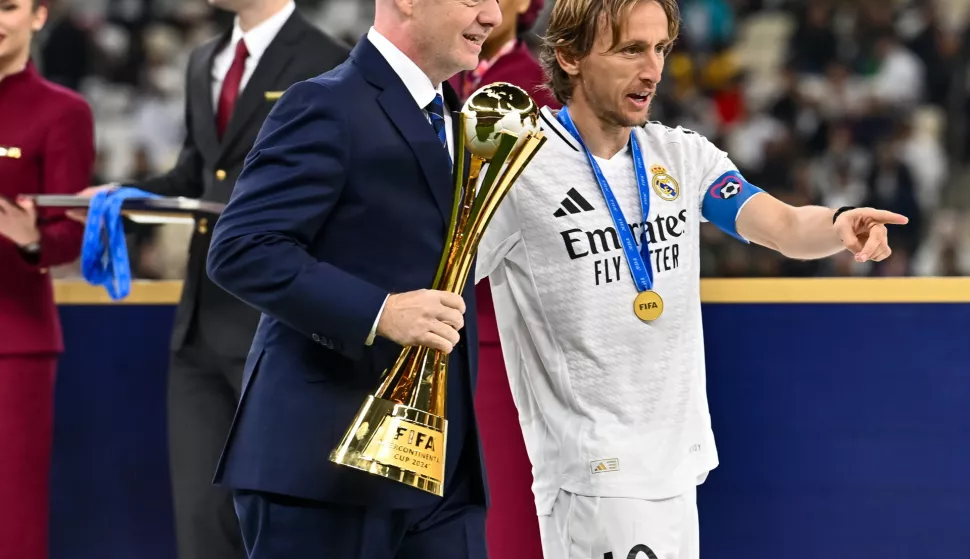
point(452, 300)
point(883, 216)
point(90, 191)
point(78, 215)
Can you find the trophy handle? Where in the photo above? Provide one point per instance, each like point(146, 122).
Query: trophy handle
point(486, 204)
point(457, 204)
point(517, 163)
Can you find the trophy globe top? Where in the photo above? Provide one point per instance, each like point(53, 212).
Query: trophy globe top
point(496, 108)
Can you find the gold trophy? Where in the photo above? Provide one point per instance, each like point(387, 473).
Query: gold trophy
point(400, 431)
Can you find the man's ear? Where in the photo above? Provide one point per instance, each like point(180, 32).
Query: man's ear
point(568, 62)
point(406, 7)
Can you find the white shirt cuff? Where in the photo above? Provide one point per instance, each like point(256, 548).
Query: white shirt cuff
point(373, 329)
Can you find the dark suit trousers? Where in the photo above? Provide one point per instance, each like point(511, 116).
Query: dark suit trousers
point(279, 527)
point(26, 432)
point(203, 390)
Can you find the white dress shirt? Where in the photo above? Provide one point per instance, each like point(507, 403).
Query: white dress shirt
point(420, 87)
point(257, 40)
point(418, 83)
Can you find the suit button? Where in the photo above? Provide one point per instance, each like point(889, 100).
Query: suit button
point(220, 175)
point(315, 338)
point(203, 226)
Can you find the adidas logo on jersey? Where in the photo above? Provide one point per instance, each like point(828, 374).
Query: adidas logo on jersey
point(603, 466)
point(573, 203)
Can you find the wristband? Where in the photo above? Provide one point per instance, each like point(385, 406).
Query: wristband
point(840, 211)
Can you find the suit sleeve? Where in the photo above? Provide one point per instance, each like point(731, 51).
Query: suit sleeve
point(69, 156)
point(292, 180)
point(185, 179)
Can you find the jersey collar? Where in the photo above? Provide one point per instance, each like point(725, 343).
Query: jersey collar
point(549, 123)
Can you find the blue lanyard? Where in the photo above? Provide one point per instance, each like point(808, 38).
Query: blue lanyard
point(639, 261)
point(104, 252)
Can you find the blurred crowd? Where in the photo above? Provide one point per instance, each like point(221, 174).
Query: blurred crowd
point(835, 102)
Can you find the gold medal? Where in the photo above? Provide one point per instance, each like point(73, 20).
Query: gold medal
point(648, 306)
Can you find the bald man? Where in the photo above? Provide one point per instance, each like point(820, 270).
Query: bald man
point(334, 232)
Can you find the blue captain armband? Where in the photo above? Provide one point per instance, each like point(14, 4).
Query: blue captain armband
point(724, 199)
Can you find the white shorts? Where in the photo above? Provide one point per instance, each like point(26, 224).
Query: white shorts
point(620, 528)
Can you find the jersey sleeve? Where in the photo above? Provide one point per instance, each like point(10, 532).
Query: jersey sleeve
point(724, 190)
point(501, 235)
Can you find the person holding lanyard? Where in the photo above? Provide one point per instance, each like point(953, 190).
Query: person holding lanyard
point(233, 82)
point(593, 259)
point(46, 147)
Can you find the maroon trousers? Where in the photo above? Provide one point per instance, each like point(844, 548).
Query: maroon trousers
point(26, 431)
point(512, 526)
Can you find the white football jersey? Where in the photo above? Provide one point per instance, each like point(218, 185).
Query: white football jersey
point(609, 405)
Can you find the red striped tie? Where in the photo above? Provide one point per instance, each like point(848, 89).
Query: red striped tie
point(230, 88)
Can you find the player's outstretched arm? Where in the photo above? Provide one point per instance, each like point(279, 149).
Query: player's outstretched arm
point(808, 232)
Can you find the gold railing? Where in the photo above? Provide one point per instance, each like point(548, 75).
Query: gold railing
point(769, 290)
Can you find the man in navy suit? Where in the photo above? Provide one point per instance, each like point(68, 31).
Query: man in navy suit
point(334, 232)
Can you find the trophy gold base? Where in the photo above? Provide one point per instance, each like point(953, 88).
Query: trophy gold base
point(396, 442)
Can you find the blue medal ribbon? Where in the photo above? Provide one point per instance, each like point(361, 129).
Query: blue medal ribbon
point(104, 252)
point(639, 261)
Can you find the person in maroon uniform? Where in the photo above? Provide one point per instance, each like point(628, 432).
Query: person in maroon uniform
point(513, 528)
point(506, 56)
point(46, 146)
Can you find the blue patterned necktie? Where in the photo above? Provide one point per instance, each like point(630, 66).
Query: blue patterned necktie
point(436, 110)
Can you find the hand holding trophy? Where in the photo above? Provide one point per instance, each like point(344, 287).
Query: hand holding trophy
point(400, 431)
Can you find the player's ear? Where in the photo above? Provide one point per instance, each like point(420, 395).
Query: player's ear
point(568, 61)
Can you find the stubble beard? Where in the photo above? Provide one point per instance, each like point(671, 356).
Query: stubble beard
point(611, 115)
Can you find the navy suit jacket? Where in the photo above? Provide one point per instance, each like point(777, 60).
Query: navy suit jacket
point(345, 197)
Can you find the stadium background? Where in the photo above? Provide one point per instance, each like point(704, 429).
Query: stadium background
point(841, 406)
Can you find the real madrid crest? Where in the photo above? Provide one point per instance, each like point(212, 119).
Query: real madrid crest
point(663, 184)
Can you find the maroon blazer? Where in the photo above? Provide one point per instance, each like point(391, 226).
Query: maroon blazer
point(48, 135)
point(518, 67)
